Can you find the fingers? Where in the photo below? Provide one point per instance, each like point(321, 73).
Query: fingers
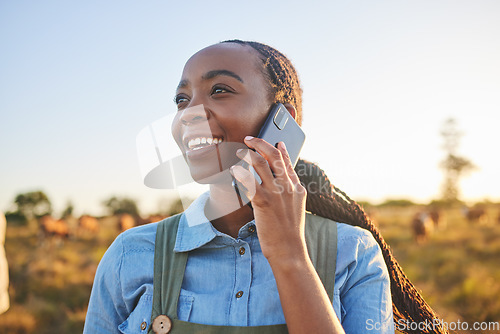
point(246, 178)
point(288, 163)
point(284, 181)
point(258, 163)
point(279, 158)
point(271, 155)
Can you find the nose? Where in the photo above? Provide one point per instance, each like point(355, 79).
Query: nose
point(194, 115)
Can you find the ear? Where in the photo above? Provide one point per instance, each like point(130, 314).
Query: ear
point(291, 110)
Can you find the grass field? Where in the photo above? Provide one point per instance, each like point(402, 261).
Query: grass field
point(457, 269)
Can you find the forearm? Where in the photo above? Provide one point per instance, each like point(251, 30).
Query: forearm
point(305, 303)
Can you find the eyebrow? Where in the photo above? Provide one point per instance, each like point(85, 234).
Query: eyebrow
point(212, 74)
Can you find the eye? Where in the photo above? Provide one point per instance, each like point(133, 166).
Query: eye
point(178, 99)
point(220, 89)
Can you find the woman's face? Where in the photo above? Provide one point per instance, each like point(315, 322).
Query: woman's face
point(221, 98)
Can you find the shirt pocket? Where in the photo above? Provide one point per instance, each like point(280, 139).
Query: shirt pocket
point(138, 321)
point(185, 305)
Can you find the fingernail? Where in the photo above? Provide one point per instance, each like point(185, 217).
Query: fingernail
point(249, 138)
point(239, 150)
point(283, 145)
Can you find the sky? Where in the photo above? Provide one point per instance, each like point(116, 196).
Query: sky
point(79, 80)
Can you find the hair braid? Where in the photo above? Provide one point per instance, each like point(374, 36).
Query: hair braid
point(326, 200)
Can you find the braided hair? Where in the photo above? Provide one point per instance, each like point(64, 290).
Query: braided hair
point(326, 200)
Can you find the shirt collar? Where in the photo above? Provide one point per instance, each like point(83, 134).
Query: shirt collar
point(195, 230)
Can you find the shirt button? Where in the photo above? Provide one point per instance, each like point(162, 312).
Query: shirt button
point(242, 250)
point(239, 294)
point(251, 228)
point(162, 324)
point(144, 325)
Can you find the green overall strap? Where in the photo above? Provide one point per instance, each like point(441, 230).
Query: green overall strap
point(321, 241)
point(169, 267)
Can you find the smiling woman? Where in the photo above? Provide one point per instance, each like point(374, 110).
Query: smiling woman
point(268, 267)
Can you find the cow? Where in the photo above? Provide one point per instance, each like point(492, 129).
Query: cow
point(88, 225)
point(50, 227)
point(475, 215)
point(438, 218)
point(422, 225)
point(125, 222)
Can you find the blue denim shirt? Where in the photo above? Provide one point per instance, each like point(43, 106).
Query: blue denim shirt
point(218, 268)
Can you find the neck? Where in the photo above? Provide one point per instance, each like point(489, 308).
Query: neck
point(224, 211)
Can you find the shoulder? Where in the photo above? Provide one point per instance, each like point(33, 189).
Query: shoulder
point(348, 234)
point(345, 233)
point(356, 246)
point(139, 237)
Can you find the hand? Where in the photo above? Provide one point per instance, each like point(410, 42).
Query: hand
point(278, 203)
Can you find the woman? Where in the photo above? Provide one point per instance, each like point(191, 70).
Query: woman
point(250, 265)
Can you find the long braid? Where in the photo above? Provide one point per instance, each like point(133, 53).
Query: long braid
point(326, 200)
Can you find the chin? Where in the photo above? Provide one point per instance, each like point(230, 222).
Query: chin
point(209, 171)
point(214, 168)
point(213, 177)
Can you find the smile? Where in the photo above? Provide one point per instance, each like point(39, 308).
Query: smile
point(197, 143)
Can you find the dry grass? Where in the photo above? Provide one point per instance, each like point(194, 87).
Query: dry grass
point(457, 268)
point(50, 280)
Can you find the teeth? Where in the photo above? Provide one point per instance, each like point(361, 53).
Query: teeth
point(192, 143)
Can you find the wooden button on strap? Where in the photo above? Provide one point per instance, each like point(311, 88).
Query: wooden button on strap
point(162, 324)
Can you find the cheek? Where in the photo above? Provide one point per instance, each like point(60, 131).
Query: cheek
point(260, 104)
point(176, 130)
point(243, 122)
point(257, 115)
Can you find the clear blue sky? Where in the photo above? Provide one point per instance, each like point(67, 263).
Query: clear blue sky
point(79, 80)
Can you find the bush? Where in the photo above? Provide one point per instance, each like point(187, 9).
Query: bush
point(16, 218)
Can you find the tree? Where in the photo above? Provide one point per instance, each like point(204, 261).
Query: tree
point(454, 165)
point(33, 205)
point(118, 206)
point(397, 203)
point(68, 212)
